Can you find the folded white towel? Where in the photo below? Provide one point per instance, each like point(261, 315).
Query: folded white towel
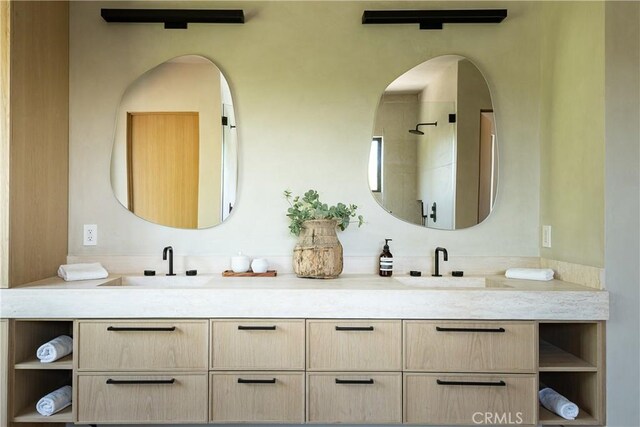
point(55, 401)
point(544, 274)
point(558, 404)
point(55, 349)
point(86, 271)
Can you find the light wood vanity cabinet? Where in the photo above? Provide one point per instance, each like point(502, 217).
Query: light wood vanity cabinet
point(268, 356)
point(140, 371)
point(265, 397)
point(466, 372)
point(354, 397)
point(142, 345)
point(4, 369)
point(333, 371)
point(157, 398)
point(362, 345)
point(468, 399)
point(354, 371)
point(255, 344)
point(445, 346)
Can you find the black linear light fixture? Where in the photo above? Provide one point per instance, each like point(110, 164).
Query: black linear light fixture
point(434, 19)
point(174, 18)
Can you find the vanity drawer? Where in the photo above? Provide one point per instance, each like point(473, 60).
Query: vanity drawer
point(435, 346)
point(119, 398)
point(470, 399)
point(142, 345)
point(265, 397)
point(257, 344)
point(354, 345)
point(354, 397)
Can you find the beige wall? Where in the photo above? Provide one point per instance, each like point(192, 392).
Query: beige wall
point(572, 124)
point(178, 86)
point(305, 96)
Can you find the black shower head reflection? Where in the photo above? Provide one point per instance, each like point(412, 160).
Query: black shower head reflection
point(417, 131)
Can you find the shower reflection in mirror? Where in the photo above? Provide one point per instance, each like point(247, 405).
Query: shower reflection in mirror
point(438, 128)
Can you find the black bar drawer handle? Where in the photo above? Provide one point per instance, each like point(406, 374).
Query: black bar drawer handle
point(141, 329)
point(354, 328)
point(112, 381)
point(339, 381)
point(245, 381)
point(257, 328)
point(473, 383)
point(441, 329)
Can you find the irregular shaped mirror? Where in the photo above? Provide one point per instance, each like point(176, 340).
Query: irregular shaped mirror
point(433, 159)
point(174, 156)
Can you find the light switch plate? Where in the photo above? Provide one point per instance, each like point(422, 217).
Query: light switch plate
point(546, 236)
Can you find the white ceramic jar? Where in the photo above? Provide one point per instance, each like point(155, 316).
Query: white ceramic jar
point(240, 263)
point(259, 265)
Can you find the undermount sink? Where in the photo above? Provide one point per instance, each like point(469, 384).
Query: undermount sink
point(448, 282)
point(162, 281)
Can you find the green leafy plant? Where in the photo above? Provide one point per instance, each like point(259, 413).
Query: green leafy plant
point(309, 207)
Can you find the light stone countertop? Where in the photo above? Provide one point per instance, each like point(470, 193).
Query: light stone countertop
point(286, 296)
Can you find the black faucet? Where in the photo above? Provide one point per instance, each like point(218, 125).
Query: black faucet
point(446, 258)
point(169, 249)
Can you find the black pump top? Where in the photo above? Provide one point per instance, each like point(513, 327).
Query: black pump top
point(386, 244)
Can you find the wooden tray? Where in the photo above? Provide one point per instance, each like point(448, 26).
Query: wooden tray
point(230, 273)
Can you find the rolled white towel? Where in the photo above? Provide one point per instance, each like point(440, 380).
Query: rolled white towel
point(87, 271)
point(55, 401)
point(543, 274)
point(558, 404)
point(55, 349)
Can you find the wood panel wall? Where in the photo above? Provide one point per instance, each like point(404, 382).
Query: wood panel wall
point(5, 29)
point(38, 141)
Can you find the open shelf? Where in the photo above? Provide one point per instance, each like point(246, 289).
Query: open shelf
point(573, 346)
point(571, 362)
point(547, 417)
point(31, 379)
point(582, 388)
point(34, 363)
point(31, 334)
point(30, 415)
point(555, 359)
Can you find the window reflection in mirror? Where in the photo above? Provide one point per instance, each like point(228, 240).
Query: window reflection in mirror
point(174, 159)
point(438, 162)
point(375, 165)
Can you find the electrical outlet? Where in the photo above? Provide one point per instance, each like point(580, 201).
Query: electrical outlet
point(546, 236)
point(90, 235)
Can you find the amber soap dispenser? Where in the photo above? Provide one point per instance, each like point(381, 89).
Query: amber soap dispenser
point(386, 260)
